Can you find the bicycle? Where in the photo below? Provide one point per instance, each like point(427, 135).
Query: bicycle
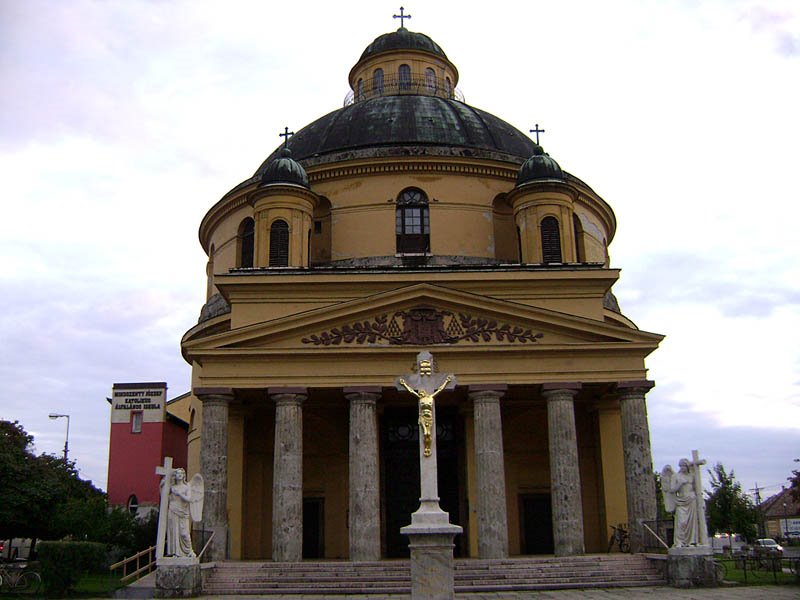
point(621, 538)
point(20, 580)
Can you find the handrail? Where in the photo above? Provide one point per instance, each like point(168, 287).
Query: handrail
point(203, 551)
point(655, 535)
point(139, 568)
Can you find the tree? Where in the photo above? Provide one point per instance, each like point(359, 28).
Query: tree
point(35, 491)
point(728, 509)
point(794, 486)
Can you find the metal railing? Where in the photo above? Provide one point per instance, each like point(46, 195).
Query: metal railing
point(140, 570)
point(392, 85)
point(658, 534)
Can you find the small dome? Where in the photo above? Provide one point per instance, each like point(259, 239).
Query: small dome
point(539, 166)
point(285, 169)
point(403, 39)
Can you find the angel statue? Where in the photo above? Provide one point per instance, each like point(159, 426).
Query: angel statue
point(185, 505)
point(681, 497)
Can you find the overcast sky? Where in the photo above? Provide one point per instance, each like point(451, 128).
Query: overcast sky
point(122, 123)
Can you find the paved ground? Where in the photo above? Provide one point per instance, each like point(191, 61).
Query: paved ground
point(785, 592)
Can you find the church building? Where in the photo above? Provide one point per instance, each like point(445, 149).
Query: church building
point(410, 221)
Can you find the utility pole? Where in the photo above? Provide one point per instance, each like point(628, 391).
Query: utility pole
point(757, 495)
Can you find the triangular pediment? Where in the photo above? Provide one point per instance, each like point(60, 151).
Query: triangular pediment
point(422, 315)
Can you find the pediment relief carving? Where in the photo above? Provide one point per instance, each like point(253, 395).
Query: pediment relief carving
point(424, 326)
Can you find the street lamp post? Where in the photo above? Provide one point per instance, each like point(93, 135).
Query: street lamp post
point(66, 441)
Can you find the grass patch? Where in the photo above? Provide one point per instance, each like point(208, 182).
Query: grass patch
point(759, 574)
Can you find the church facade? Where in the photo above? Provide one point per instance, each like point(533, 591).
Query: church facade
point(408, 221)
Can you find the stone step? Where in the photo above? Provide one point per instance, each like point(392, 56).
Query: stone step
point(394, 577)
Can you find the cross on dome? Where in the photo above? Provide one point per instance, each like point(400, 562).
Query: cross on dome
point(537, 131)
point(287, 134)
point(401, 16)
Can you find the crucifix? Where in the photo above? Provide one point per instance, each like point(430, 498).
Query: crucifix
point(287, 134)
point(537, 131)
point(697, 462)
point(166, 473)
point(401, 16)
point(426, 384)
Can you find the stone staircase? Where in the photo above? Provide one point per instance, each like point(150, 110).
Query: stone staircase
point(394, 576)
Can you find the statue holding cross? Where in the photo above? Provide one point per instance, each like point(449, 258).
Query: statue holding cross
point(180, 504)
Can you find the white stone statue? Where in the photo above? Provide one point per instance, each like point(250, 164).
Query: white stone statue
point(184, 504)
point(683, 495)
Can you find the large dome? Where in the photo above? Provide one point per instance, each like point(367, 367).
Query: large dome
point(421, 124)
point(402, 39)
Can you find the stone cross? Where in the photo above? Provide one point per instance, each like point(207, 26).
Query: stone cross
point(425, 384)
point(287, 134)
point(696, 463)
point(537, 131)
point(166, 472)
point(401, 16)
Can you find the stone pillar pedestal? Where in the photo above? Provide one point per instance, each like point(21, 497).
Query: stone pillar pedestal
point(365, 525)
point(432, 572)
point(287, 475)
point(639, 482)
point(178, 578)
point(565, 477)
point(691, 567)
point(490, 473)
point(214, 466)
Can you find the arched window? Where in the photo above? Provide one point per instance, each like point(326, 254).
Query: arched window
point(412, 225)
point(246, 237)
point(404, 76)
point(133, 504)
point(448, 87)
point(580, 250)
point(519, 245)
point(360, 90)
point(551, 240)
point(377, 81)
point(279, 244)
point(430, 79)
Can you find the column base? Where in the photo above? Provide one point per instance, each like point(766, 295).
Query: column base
point(432, 571)
point(178, 578)
point(691, 567)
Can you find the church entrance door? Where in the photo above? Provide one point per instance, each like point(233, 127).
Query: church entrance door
point(536, 517)
point(400, 472)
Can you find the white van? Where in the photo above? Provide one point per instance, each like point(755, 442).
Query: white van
point(722, 543)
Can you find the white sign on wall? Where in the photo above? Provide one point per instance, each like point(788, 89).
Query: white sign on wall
point(148, 399)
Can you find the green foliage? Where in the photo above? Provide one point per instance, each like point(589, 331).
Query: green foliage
point(728, 509)
point(663, 515)
point(794, 484)
point(63, 563)
point(37, 491)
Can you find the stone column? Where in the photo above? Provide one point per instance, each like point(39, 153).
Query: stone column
point(565, 476)
point(214, 466)
point(639, 481)
point(365, 524)
point(287, 475)
point(490, 472)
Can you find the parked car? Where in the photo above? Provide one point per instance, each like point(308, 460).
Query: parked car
point(768, 547)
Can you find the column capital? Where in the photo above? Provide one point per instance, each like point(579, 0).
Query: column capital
point(288, 395)
point(486, 393)
point(633, 388)
point(361, 397)
point(554, 391)
point(213, 394)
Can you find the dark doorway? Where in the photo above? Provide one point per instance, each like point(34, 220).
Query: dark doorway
point(400, 472)
point(536, 517)
point(313, 531)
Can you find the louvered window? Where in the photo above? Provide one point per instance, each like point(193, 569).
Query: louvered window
point(551, 240)
point(412, 224)
point(246, 238)
point(404, 74)
point(430, 79)
point(279, 244)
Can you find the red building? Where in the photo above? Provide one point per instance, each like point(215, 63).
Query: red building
point(145, 428)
